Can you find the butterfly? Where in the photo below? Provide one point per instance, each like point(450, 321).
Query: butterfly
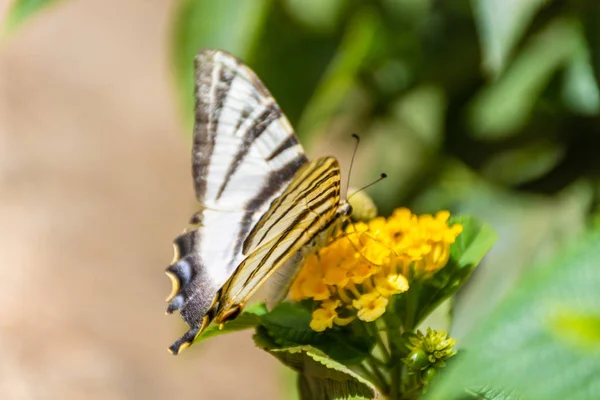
point(263, 204)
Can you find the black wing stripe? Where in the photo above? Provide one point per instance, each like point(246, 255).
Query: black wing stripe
point(244, 114)
point(286, 144)
point(207, 120)
point(259, 125)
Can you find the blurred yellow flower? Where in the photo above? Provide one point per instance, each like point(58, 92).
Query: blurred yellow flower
point(389, 285)
point(309, 283)
point(322, 318)
point(370, 306)
point(367, 263)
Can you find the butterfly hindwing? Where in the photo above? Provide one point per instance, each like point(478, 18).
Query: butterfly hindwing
point(244, 155)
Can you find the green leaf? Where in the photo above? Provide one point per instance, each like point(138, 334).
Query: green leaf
point(340, 75)
point(525, 163)
point(288, 325)
point(321, 16)
point(321, 377)
point(473, 243)
point(491, 394)
point(503, 108)
point(249, 318)
point(580, 89)
point(201, 24)
point(21, 10)
point(350, 344)
point(591, 30)
point(263, 340)
point(543, 340)
point(501, 24)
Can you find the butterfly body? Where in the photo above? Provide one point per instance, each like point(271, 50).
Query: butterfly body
point(263, 204)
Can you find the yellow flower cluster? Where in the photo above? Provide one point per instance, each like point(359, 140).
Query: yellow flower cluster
point(357, 273)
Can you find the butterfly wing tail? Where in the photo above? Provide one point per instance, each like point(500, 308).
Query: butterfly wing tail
point(187, 272)
point(185, 341)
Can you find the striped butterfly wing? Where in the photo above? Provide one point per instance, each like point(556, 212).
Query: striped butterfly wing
point(244, 155)
point(301, 218)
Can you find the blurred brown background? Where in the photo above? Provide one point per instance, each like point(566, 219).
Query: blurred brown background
point(94, 185)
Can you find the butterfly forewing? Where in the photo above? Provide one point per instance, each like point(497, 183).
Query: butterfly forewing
point(244, 155)
point(308, 207)
point(241, 135)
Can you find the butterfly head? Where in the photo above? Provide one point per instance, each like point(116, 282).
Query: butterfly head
point(345, 209)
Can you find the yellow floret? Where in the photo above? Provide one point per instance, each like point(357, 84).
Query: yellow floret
point(370, 306)
point(322, 319)
point(388, 285)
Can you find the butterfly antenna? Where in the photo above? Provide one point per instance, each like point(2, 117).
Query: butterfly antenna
point(381, 177)
point(357, 138)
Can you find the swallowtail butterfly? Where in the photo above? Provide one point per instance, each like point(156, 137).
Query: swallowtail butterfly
point(263, 204)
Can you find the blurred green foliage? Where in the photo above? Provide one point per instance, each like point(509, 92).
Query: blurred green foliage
point(486, 107)
point(508, 88)
point(544, 339)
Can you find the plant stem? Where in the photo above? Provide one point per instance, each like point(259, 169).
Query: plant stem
point(393, 330)
point(377, 361)
point(383, 382)
point(411, 304)
point(382, 346)
point(367, 374)
point(379, 343)
point(396, 372)
point(413, 392)
point(373, 377)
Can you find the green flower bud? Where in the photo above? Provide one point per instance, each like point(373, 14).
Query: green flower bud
point(417, 360)
point(428, 375)
point(429, 351)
